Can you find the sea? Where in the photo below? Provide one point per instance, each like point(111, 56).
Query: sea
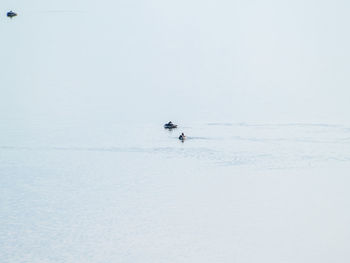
point(76, 191)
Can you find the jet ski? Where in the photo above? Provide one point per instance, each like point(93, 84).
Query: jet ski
point(182, 137)
point(170, 125)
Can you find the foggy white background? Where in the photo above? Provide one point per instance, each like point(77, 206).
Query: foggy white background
point(268, 61)
point(88, 174)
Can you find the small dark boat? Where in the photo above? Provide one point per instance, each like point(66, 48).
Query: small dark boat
point(11, 14)
point(170, 125)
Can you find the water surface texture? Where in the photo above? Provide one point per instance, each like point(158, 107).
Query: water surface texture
point(232, 192)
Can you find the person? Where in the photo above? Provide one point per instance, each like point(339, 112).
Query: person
point(182, 136)
point(170, 123)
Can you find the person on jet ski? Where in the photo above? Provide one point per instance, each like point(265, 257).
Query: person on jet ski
point(182, 137)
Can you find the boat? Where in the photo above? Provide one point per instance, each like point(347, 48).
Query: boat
point(11, 14)
point(170, 125)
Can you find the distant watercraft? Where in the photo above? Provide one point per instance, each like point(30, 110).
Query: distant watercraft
point(182, 137)
point(11, 14)
point(170, 125)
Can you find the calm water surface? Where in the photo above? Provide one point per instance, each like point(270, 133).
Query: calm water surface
point(232, 192)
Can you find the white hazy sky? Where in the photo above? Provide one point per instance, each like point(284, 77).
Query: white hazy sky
point(267, 60)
